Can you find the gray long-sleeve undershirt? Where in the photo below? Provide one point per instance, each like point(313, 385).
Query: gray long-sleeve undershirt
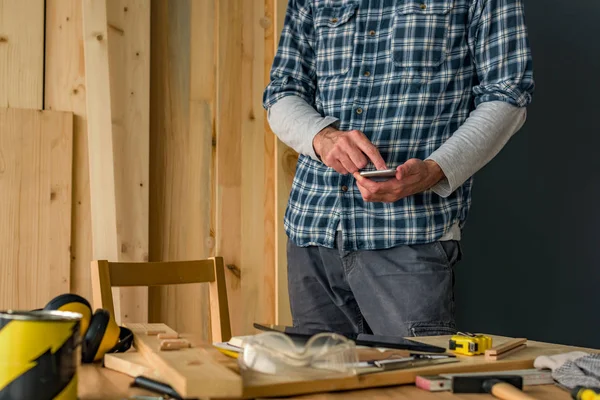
point(484, 133)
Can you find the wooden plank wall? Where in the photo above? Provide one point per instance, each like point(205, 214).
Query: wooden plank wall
point(216, 183)
point(65, 90)
point(229, 160)
point(285, 167)
point(35, 217)
point(245, 202)
point(124, 59)
point(129, 66)
point(21, 53)
point(180, 128)
point(219, 100)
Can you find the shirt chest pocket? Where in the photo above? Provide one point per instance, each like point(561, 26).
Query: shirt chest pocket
point(335, 31)
point(420, 33)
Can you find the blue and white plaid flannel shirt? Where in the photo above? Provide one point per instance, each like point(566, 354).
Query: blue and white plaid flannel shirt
point(407, 73)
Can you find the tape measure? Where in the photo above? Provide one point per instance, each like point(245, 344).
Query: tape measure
point(469, 344)
point(584, 393)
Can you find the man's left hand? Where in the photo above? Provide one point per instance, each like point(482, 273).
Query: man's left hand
point(414, 176)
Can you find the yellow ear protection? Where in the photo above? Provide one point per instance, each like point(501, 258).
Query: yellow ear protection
point(99, 332)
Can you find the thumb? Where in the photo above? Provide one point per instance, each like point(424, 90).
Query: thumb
point(411, 167)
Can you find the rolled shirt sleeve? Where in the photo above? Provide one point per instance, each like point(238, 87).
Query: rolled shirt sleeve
point(499, 43)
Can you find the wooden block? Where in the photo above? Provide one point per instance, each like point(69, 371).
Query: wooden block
point(150, 328)
point(154, 332)
point(511, 344)
point(192, 372)
point(36, 149)
point(130, 363)
point(505, 354)
point(168, 336)
point(174, 344)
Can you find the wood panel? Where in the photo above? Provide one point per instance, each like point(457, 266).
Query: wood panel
point(21, 53)
point(285, 168)
point(228, 205)
point(65, 91)
point(100, 137)
point(181, 128)
point(36, 150)
point(128, 30)
point(257, 259)
point(270, 285)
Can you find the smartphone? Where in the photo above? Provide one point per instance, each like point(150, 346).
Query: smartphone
point(379, 176)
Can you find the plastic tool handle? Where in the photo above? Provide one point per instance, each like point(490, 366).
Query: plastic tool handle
point(155, 386)
point(505, 391)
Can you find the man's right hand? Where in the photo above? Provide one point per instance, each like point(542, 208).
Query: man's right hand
point(346, 151)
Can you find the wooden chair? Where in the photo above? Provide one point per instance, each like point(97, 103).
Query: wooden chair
point(106, 275)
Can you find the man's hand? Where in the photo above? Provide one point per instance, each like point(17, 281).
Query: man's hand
point(346, 151)
point(414, 176)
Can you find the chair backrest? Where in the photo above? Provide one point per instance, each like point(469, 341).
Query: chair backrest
point(106, 275)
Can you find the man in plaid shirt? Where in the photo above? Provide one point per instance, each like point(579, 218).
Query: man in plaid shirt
point(431, 88)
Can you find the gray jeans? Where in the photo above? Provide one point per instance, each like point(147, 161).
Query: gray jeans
point(403, 291)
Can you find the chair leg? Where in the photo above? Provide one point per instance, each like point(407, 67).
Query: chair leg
point(219, 306)
point(101, 287)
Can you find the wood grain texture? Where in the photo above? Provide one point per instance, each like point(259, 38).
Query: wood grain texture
point(65, 91)
point(495, 350)
point(384, 385)
point(190, 371)
point(21, 53)
point(505, 354)
point(270, 274)
point(96, 382)
point(100, 137)
point(285, 168)
point(181, 127)
point(257, 283)
point(36, 150)
point(129, 65)
point(130, 363)
point(161, 273)
point(228, 205)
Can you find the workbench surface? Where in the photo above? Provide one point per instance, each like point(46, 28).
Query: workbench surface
point(99, 383)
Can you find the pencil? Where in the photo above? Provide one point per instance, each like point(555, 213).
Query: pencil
point(229, 353)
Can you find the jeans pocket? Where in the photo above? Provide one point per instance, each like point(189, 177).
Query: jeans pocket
point(335, 31)
point(420, 33)
point(450, 251)
point(432, 328)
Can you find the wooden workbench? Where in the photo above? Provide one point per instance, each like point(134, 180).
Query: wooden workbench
point(221, 374)
point(97, 383)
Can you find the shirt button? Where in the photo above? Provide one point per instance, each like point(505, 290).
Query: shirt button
point(334, 20)
point(372, 33)
point(359, 110)
point(423, 6)
point(344, 188)
point(367, 73)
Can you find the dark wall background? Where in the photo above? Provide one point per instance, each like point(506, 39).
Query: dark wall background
point(531, 263)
